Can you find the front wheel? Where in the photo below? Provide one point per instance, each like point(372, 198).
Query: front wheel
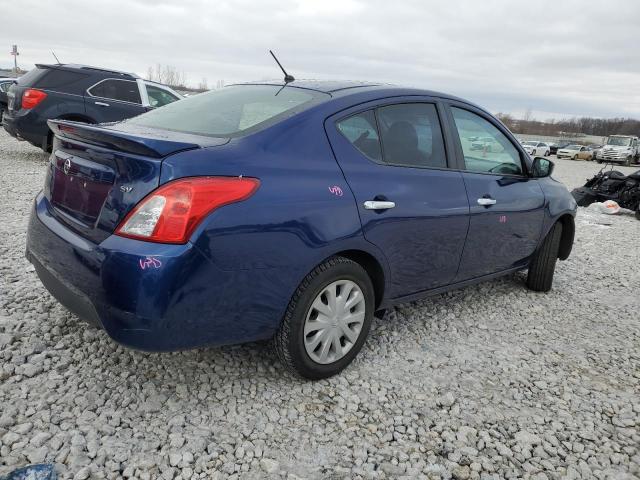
point(327, 320)
point(575, 157)
point(547, 153)
point(543, 264)
point(628, 161)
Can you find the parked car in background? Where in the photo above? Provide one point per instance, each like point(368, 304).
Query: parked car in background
point(5, 83)
point(594, 149)
point(486, 144)
point(79, 93)
point(575, 152)
point(623, 149)
point(554, 147)
point(534, 147)
point(197, 224)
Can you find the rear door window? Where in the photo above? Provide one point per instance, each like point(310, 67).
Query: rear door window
point(360, 129)
point(114, 89)
point(411, 135)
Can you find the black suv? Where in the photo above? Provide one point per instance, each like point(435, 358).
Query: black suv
point(80, 93)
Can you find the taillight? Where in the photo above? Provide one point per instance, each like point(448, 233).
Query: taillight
point(32, 98)
point(171, 213)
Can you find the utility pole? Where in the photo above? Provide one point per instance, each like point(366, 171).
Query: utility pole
point(14, 52)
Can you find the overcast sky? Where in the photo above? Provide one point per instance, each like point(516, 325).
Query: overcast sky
point(558, 58)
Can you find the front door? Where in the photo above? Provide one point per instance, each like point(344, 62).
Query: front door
point(506, 205)
point(411, 204)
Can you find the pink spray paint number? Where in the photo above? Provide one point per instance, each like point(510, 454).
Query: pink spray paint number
point(503, 219)
point(149, 262)
point(336, 190)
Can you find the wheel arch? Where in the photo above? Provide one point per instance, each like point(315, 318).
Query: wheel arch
point(568, 234)
point(372, 266)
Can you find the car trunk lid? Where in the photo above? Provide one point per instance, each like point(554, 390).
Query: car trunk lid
point(97, 174)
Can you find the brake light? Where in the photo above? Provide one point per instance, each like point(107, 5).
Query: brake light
point(32, 98)
point(171, 213)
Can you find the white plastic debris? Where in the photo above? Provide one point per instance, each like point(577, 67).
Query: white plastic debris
point(609, 207)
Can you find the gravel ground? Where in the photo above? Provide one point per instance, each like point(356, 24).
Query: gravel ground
point(490, 382)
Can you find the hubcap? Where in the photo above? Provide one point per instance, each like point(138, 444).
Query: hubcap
point(334, 321)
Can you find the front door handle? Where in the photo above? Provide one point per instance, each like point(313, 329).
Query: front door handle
point(378, 205)
point(102, 104)
point(485, 202)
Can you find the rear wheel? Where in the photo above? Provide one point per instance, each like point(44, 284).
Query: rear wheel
point(543, 265)
point(327, 320)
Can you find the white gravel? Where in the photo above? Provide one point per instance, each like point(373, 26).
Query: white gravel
point(488, 382)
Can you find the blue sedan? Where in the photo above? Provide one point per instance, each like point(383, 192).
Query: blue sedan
point(288, 211)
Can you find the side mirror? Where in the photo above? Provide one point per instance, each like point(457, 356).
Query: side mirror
point(541, 167)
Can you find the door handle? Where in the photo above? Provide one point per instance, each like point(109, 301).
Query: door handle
point(378, 205)
point(486, 202)
point(102, 104)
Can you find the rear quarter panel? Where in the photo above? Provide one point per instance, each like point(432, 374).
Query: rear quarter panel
point(302, 213)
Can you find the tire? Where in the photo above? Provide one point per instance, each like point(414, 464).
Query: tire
point(575, 157)
point(289, 341)
point(598, 160)
point(638, 213)
point(533, 154)
point(543, 265)
point(628, 161)
point(548, 153)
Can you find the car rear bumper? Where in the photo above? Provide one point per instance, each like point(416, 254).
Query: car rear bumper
point(147, 296)
point(25, 126)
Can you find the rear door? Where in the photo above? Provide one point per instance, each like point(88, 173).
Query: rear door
point(113, 99)
point(506, 205)
point(411, 204)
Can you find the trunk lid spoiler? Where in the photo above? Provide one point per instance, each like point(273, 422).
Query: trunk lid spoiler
point(133, 139)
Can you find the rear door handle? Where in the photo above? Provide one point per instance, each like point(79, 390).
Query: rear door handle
point(486, 201)
point(102, 104)
point(378, 205)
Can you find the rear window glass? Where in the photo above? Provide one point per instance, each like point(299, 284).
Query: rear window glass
point(231, 111)
point(56, 78)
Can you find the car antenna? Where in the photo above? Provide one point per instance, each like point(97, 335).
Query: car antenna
point(287, 78)
point(54, 56)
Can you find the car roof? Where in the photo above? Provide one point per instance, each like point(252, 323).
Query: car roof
point(75, 66)
point(343, 88)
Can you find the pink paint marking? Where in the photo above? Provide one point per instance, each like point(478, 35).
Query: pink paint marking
point(149, 262)
point(503, 219)
point(336, 190)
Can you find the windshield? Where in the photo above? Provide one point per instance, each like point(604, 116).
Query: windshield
point(230, 111)
point(619, 141)
point(573, 147)
point(533, 144)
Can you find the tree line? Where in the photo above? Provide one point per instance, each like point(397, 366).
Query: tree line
point(587, 125)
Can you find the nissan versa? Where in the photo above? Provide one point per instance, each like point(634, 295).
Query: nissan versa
point(288, 211)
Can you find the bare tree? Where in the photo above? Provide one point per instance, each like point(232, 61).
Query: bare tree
point(168, 75)
point(203, 85)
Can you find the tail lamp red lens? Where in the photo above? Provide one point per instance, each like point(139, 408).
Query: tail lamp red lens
point(172, 212)
point(32, 98)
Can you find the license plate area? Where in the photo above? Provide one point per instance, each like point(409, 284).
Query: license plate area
point(79, 187)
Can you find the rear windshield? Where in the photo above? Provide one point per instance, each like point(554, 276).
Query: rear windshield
point(231, 111)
